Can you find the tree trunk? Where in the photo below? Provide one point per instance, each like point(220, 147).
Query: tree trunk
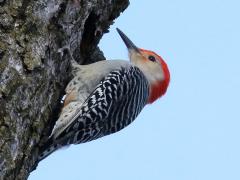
point(32, 72)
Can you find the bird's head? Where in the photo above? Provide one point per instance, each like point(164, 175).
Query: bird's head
point(152, 65)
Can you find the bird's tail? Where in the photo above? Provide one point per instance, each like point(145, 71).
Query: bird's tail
point(52, 145)
point(48, 148)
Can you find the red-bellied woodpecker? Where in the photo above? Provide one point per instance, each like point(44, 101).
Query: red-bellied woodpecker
point(106, 96)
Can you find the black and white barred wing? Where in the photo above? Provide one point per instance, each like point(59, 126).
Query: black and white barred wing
point(114, 104)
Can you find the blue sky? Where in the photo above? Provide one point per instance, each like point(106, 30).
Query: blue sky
point(192, 133)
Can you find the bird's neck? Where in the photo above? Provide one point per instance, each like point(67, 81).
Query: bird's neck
point(157, 90)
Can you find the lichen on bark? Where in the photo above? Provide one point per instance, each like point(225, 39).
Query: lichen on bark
point(32, 72)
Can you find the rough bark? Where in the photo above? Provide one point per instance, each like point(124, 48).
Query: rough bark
point(32, 72)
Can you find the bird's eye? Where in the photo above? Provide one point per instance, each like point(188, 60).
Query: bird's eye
point(152, 58)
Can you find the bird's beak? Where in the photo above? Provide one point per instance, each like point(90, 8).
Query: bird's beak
point(130, 45)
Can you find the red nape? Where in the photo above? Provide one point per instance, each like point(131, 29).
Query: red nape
point(159, 88)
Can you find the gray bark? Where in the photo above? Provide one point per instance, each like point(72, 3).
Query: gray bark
point(33, 74)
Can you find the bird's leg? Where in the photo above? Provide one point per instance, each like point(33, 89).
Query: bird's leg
point(68, 49)
point(74, 64)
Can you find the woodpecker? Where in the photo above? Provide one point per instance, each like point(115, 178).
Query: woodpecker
point(106, 96)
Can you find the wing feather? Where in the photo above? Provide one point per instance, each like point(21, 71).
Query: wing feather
point(94, 118)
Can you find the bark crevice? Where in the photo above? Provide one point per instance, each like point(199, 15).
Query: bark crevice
point(33, 74)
